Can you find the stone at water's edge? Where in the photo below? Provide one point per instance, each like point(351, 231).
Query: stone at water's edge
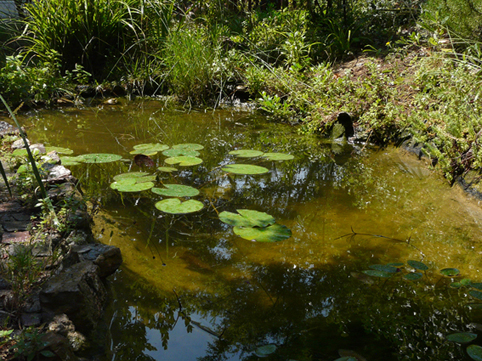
point(108, 258)
point(79, 293)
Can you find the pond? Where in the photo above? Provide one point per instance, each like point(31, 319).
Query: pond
point(362, 276)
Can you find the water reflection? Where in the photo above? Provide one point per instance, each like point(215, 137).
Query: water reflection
point(190, 288)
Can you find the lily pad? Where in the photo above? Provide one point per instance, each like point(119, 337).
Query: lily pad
point(184, 161)
point(131, 185)
point(175, 206)
point(178, 152)
point(22, 152)
point(265, 350)
point(450, 272)
point(413, 276)
point(417, 265)
point(99, 158)
point(475, 352)
point(69, 161)
point(188, 146)
point(246, 153)
point(167, 169)
point(462, 337)
point(273, 233)
point(246, 169)
point(278, 156)
point(476, 294)
point(384, 268)
point(149, 148)
point(377, 273)
point(60, 150)
point(246, 218)
point(130, 175)
point(476, 285)
point(176, 190)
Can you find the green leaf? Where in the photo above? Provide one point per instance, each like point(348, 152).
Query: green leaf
point(176, 190)
point(246, 169)
point(377, 273)
point(175, 206)
point(476, 285)
point(278, 156)
point(188, 146)
point(5, 333)
point(133, 175)
point(475, 352)
point(417, 265)
point(149, 148)
point(178, 152)
point(184, 161)
point(476, 294)
point(70, 161)
point(381, 267)
point(131, 185)
point(450, 272)
point(246, 153)
point(462, 337)
point(265, 350)
point(247, 218)
point(413, 276)
point(47, 353)
point(273, 233)
point(59, 150)
point(465, 282)
point(99, 158)
point(167, 169)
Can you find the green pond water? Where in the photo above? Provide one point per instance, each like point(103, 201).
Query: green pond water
point(191, 289)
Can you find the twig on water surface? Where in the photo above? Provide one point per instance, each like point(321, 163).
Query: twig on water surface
point(408, 241)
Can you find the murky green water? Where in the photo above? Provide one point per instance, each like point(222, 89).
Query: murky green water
point(191, 289)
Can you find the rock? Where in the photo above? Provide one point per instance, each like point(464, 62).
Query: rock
point(78, 237)
point(59, 346)
point(59, 174)
point(18, 144)
point(30, 319)
point(108, 258)
point(38, 148)
point(78, 292)
point(61, 324)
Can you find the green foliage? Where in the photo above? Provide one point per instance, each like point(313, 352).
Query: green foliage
point(29, 345)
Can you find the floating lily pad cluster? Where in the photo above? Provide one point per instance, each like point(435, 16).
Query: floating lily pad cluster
point(248, 224)
point(255, 226)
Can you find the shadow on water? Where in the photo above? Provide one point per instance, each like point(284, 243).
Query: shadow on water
point(191, 289)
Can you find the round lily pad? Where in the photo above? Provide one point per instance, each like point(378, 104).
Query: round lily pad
point(131, 185)
point(176, 190)
point(384, 268)
point(178, 152)
point(69, 161)
point(413, 276)
point(130, 175)
point(450, 272)
point(246, 153)
point(246, 169)
point(377, 273)
point(188, 146)
point(99, 158)
point(273, 233)
point(246, 218)
point(462, 337)
point(167, 169)
point(417, 265)
point(184, 161)
point(60, 150)
point(265, 350)
point(476, 294)
point(278, 156)
point(149, 148)
point(147, 178)
point(475, 352)
point(175, 206)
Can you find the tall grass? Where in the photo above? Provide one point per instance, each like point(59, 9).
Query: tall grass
point(91, 33)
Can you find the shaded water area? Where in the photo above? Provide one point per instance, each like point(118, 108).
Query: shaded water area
point(191, 289)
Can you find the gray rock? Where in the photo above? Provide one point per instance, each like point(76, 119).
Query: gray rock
point(61, 324)
point(78, 292)
point(59, 345)
point(108, 258)
point(59, 173)
point(38, 148)
point(18, 144)
point(30, 319)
